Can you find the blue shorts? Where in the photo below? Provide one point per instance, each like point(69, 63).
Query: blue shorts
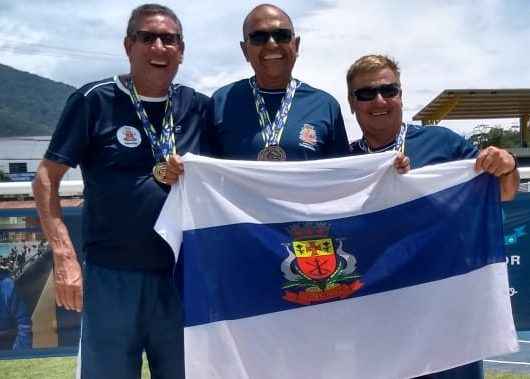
point(126, 313)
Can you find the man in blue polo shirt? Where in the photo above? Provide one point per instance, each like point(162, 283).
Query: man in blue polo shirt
point(273, 116)
point(374, 94)
point(125, 133)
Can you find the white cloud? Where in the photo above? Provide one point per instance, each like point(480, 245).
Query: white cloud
point(439, 44)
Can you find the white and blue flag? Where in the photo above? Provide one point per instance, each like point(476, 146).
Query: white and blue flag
point(337, 268)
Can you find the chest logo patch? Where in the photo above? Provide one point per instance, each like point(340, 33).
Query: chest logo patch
point(129, 136)
point(308, 137)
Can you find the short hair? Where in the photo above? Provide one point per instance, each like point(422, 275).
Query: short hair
point(247, 18)
point(371, 63)
point(146, 10)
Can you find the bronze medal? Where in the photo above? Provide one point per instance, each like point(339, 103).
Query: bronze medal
point(160, 171)
point(272, 153)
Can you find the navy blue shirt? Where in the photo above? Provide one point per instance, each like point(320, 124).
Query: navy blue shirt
point(100, 130)
point(314, 128)
point(426, 145)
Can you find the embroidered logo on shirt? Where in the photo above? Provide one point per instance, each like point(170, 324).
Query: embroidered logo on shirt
point(317, 268)
point(308, 137)
point(129, 136)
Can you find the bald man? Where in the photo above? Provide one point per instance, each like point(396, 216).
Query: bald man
point(273, 116)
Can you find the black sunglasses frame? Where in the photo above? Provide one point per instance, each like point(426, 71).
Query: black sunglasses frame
point(167, 39)
point(387, 91)
point(261, 37)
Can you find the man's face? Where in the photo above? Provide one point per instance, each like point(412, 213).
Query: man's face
point(381, 116)
point(272, 61)
point(155, 61)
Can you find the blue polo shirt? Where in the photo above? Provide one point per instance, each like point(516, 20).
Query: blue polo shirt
point(426, 145)
point(314, 128)
point(100, 131)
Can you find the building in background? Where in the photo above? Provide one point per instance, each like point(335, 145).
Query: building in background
point(20, 157)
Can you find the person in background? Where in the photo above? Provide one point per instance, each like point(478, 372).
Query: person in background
point(15, 320)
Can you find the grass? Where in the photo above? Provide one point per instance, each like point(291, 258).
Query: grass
point(45, 368)
point(59, 368)
point(505, 375)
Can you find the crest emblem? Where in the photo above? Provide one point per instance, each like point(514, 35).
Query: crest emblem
point(316, 259)
point(308, 137)
point(129, 136)
point(317, 268)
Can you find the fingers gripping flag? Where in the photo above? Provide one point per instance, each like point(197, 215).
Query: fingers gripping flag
point(337, 268)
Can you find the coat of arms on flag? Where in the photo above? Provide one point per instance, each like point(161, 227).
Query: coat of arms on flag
point(317, 267)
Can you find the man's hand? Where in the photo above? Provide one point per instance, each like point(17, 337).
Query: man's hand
point(175, 168)
point(495, 161)
point(502, 164)
point(68, 280)
point(67, 272)
point(402, 163)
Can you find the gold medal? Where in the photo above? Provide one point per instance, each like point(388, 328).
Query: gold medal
point(272, 153)
point(160, 171)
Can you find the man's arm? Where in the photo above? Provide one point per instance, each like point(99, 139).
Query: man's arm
point(502, 164)
point(67, 271)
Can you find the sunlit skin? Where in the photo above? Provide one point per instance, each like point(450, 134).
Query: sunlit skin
point(153, 66)
point(273, 62)
point(380, 119)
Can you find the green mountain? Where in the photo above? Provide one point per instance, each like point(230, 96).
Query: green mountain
point(30, 105)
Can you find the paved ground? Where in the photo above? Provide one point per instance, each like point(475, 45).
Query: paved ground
point(517, 362)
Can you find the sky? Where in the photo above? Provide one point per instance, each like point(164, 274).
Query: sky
point(439, 44)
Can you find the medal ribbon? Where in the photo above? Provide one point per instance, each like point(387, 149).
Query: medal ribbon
point(163, 146)
point(272, 131)
point(398, 145)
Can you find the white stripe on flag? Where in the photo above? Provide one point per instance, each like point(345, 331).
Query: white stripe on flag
point(370, 336)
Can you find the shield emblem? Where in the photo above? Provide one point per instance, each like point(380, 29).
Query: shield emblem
point(316, 259)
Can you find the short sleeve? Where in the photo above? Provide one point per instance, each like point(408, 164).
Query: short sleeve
point(337, 145)
point(71, 137)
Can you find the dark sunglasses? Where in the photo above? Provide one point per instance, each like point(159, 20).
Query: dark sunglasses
point(261, 37)
point(369, 93)
point(150, 37)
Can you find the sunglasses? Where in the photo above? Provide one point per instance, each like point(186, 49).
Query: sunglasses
point(168, 39)
point(261, 37)
point(369, 93)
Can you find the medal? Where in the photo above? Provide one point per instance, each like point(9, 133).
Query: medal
point(272, 153)
point(397, 145)
point(162, 144)
point(271, 131)
point(160, 171)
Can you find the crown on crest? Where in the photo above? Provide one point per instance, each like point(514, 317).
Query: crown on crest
point(309, 230)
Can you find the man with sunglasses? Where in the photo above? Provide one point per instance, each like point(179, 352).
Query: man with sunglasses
point(374, 94)
point(125, 133)
point(375, 97)
point(273, 116)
